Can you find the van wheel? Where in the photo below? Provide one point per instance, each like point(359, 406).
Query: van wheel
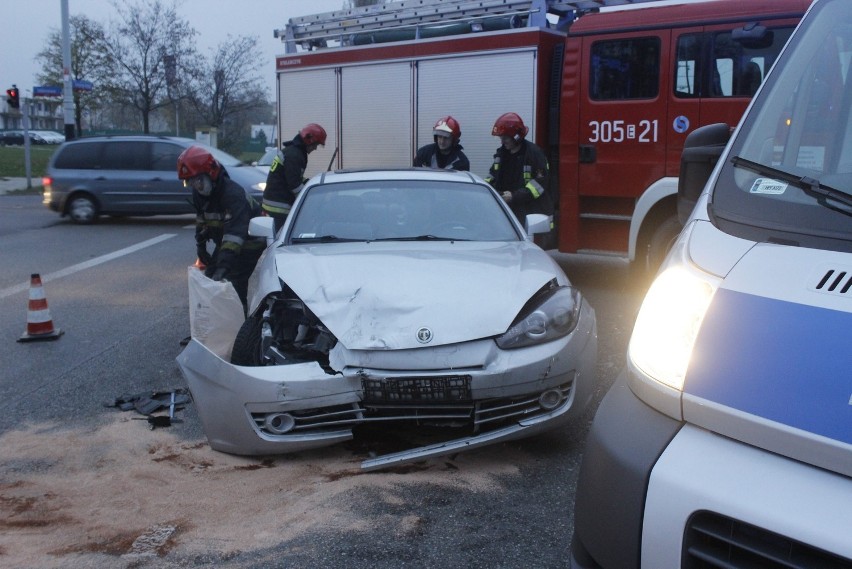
point(247, 344)
point(661, 243)
point(82, 209)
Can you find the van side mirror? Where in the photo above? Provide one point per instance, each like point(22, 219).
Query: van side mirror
point(701, 150)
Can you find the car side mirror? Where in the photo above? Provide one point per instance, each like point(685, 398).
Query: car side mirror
point(537, 223)
point(262, 227)
point(701, 150)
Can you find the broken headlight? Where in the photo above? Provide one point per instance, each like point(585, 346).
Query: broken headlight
point(548, 316)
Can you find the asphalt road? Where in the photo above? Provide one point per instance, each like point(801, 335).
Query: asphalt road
point(118, 291)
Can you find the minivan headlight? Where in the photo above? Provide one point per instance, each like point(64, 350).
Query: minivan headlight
point(668, 323)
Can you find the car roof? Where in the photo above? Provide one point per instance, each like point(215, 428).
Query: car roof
point(101, 138)
point(422, 174)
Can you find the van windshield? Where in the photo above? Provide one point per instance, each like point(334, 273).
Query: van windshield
point(788, 178)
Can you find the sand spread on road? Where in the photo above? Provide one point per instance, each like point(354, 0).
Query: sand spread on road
point(125, 491)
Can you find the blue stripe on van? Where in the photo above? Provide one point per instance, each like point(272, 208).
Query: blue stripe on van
point(787, 362)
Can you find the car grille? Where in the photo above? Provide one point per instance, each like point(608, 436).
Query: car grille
point(437, 403)
point(713, 540)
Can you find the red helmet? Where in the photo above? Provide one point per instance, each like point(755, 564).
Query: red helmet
point(196, 160)
point(313, 134)
point(447, 126)
point(510, 124)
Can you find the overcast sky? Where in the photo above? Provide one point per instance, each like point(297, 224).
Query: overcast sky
point(28, 23)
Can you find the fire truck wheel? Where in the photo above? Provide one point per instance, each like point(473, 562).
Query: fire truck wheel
point(660, 243)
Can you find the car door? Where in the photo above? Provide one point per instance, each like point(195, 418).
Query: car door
point(119, 179)
point(165, 187)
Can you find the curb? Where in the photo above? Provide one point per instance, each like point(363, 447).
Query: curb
point(16, 184)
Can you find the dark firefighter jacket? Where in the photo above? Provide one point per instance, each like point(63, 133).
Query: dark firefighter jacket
point(223, 217)
point(286, 176)
point(430, 157)
point(525, 174)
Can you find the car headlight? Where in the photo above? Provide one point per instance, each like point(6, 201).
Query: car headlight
point(668, 323)
point(260, 186)
point(551, 317)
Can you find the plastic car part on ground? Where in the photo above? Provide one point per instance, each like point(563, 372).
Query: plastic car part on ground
point(149, 402)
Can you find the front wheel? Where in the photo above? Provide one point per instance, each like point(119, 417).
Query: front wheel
point(247, 344)
point(82, 209)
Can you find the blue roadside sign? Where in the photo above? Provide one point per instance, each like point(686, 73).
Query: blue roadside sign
point(47, 91)
point(81, 85)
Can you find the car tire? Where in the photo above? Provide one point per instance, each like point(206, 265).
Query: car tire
point(247, 344)
point(82, 209)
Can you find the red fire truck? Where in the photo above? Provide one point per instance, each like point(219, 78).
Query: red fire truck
point(610, 92)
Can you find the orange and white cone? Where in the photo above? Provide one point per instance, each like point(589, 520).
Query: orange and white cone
point(39, 323)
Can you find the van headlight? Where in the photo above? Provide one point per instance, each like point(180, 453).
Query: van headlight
point(668, 323)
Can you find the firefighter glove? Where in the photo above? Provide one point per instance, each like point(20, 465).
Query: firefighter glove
point(219, 274)
point(202, 254)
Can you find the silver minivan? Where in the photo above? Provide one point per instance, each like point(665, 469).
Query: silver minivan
point(129, 176)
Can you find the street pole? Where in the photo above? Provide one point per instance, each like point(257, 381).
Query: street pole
point(68, 102)
point(25, 107)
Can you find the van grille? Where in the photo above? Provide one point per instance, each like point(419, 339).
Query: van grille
point(837, 281)
point(712, 540)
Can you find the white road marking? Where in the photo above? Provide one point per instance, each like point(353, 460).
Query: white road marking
point(87, 264)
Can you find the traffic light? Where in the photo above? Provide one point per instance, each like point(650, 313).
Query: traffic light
point(13, 98)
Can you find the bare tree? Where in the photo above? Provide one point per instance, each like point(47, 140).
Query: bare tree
point(87, 62)
point(148, 36)
point(230, 87)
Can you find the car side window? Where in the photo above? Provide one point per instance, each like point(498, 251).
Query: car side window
point(164, 156)
point(83, 156)
point(126, 156)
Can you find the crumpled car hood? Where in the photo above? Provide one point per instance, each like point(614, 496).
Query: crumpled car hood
point(379, 295)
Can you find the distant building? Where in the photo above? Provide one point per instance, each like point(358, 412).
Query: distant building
point(44, 113)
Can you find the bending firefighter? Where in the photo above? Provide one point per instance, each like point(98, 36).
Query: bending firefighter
point(445, 152)
point(223, 211)
point(520, 171)
point(287, 172)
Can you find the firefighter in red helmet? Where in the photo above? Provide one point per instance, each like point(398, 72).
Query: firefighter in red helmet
point(520, 170)
point(445, 152)
point(223, 211)
point(287, 172)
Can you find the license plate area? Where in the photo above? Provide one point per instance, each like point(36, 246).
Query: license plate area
point(440, 389)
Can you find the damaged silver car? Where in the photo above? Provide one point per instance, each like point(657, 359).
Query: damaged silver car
point(398, 297)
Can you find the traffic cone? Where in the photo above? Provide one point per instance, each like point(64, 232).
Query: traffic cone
point(39, 323)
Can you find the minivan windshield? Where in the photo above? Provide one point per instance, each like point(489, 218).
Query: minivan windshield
point(788, 177)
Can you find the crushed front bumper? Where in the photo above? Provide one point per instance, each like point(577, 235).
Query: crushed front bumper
point(492, 394)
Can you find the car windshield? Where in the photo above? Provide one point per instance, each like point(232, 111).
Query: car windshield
point(223, 158)
point(267, 158)
point(789, 175)
point(401, 210)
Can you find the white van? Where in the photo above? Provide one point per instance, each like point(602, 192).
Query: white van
point(727, 441)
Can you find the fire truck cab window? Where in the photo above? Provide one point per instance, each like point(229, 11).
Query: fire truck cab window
point(725, 64)
point(625, 69)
